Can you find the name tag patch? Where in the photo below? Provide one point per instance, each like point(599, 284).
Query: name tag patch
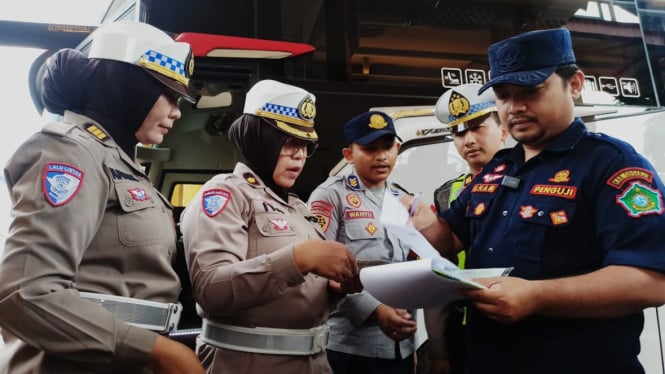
point(358, 214)
point(566, 192)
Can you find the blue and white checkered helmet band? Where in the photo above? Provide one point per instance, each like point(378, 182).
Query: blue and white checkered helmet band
point(164, 64)
point(281, 110)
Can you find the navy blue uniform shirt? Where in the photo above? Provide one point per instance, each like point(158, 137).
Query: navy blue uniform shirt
point(585, 202)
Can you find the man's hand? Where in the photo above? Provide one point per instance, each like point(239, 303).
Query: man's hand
point(398, 324)
point(506, 299)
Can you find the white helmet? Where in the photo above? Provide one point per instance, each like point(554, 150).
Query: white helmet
point(461, 104)
point(146, 46)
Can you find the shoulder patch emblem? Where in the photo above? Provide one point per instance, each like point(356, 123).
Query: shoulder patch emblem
point(322, 212)
point(61, 182)
point(639, 200)
point(214, 201)
point(353, 200)
point(618, 179)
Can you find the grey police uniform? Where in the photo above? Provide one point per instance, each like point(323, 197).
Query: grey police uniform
point(348, 212)
point(239, 238)
point(86, 219)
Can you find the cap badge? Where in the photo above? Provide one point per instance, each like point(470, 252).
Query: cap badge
point(458, 105)
point(376, 121)
point(190, 65)
point(509, 57)
point(307, 108)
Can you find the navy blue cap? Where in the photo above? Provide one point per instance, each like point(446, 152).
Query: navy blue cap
point(529, 59)
point(367, 127)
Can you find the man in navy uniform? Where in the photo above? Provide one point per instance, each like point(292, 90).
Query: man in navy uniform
point(577, 214)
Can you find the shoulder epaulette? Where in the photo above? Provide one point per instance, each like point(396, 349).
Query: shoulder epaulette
point(331, 180)
point(58, 128)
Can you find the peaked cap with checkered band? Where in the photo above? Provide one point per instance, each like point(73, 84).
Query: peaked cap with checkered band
point(146, 46)
point(291, 109)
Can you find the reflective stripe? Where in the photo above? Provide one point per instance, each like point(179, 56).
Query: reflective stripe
point(265, 339)
point(149, 315)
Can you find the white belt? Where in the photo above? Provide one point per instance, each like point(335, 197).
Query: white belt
point(150, 315)
point(265, 340)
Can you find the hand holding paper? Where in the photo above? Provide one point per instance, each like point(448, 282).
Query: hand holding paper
point(431, 280)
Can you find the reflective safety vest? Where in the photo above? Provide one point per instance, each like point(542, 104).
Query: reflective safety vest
point(445, 195)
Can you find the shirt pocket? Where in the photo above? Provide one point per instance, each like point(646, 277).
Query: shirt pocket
point(145, 219)
point(362, 228)
point(542, 218)
point(275, 231)
point(479, 205)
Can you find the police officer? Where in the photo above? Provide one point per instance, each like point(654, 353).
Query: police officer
point(577, 214)
point(86, 270)
point(259, 266)
point(477, 135)
point(366, 336)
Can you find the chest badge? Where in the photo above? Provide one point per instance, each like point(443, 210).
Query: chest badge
point(562, 176)
point(500, 168)
point(61, 182)
point(279, 224)
point(353, 200)
point(559, 217)
point(528, 211)
point(371, 228)
point(138, 194)
point(479, 209)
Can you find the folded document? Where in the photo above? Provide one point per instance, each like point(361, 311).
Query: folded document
point(421, 283)
point(432, 280)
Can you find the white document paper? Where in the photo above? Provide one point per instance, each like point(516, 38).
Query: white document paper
point(431, 280)
point(414, 284)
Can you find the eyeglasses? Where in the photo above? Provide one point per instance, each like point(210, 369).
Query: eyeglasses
point(292, 146)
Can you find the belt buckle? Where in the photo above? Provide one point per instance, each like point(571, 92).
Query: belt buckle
point(173, 318)
point(320, 340)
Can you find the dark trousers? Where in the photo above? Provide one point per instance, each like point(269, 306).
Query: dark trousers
point(456, 339)
point(344, 363)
